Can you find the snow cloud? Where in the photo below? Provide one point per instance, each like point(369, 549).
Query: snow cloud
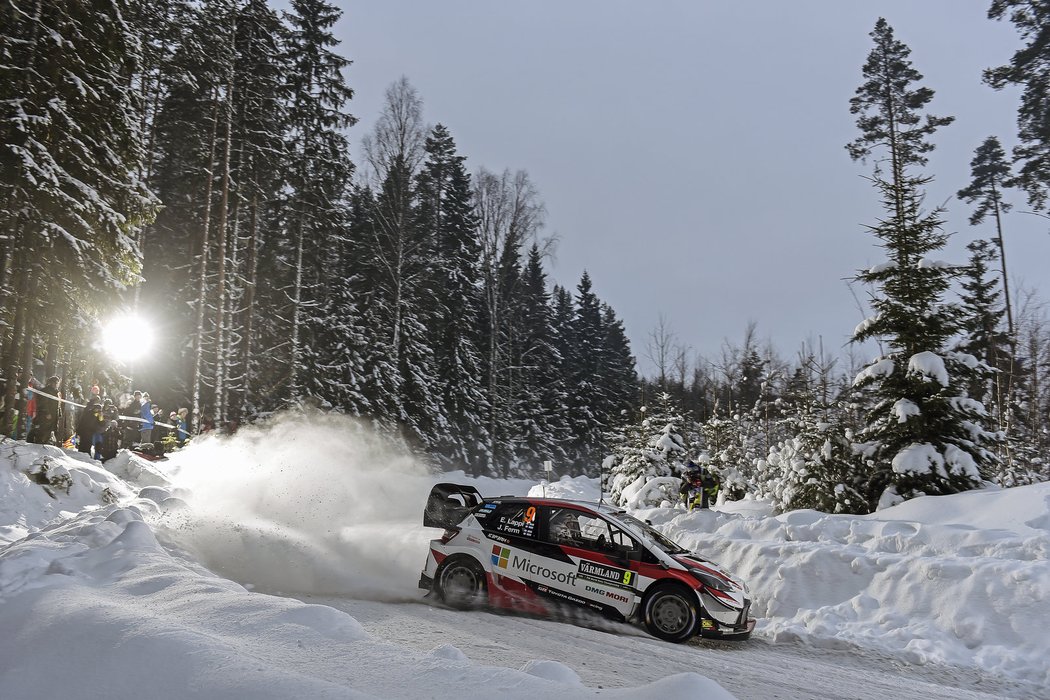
point(306, 504)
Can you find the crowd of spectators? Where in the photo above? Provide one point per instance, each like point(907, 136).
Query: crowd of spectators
point(94, 424)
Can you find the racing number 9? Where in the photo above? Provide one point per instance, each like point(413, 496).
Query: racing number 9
point(530, 514)
point(627, 577)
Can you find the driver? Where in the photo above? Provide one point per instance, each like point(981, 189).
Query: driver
point(565, 529)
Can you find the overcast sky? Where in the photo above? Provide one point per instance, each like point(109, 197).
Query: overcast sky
point(691, 153)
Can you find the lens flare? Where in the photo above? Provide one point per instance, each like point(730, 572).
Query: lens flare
point(127, 338)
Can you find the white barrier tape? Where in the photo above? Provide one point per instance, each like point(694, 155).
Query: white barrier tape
point(80, 405)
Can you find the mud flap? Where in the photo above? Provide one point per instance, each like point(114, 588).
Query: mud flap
point(448, 504)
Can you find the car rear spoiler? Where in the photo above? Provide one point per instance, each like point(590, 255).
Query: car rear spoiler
point(448, 504)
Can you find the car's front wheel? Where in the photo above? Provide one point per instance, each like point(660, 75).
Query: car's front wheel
point(672, 613)
point(461, 583)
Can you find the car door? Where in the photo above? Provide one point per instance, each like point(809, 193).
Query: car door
point(523, 565)
point(605, 555)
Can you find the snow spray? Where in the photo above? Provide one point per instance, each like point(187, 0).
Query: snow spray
point(314, 504)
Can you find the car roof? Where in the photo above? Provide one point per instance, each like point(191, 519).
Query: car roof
point(603, 508)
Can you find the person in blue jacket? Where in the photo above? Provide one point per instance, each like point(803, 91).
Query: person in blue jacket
point(183, 426)
point(146, 413)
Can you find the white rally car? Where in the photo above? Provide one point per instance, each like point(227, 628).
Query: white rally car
point(536, 554)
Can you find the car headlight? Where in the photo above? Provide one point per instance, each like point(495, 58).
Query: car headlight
point(711, 581)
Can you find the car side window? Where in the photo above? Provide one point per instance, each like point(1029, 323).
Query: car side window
point(515, 519)
point(577, 528)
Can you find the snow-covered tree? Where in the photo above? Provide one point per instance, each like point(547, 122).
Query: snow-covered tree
point(646, 468)
point(318, 171)
point(446, 214)
point(814, 468)
point(72, 191)
point(540, 431)
point(732, 446)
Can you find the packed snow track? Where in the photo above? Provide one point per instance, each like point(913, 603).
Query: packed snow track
point(610, 655)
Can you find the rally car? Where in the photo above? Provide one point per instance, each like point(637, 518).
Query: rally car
point(536, 555)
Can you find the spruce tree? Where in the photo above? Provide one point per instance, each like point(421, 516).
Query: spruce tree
point(587, 397)
point(923, 434)
point(540, 431)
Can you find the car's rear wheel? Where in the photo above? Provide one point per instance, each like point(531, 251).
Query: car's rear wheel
point(672, 613)
point(461, 583)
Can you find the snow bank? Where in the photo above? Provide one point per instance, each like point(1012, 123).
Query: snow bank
point(39, 483)
point(103, 603)
point(958, 580)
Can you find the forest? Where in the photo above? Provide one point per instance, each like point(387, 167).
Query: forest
point(194, 158)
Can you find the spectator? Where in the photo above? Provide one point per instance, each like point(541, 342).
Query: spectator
point(30, 411)
point(109, 411)
point(90, 422)
point(132, 410)
point(76, 395)
point(47, 411)
point(146, 412)
point(110, 441)
point(182, 425)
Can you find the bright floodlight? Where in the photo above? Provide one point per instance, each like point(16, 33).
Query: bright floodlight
point(127, 338)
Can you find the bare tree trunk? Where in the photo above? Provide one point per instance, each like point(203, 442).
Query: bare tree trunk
point(51, 359)
point(249, 301)
point(202, 291)
point(297, 299)
point(220, 307)
point(11, 367)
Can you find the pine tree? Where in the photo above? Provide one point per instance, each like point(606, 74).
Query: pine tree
point(732, 447)
point(923, 434)
point(1030, 69)
point(260, 124)
point(982, 318)
point(990, 173)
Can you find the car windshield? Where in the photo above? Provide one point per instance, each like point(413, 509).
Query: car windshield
point(647, 531)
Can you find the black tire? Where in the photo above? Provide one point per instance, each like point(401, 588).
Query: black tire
point(672, 613)
point(460, 583)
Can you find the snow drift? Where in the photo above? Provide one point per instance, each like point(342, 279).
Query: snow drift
point(959, 580)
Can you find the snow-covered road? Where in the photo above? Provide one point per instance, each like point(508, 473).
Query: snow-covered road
point(626, 656)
